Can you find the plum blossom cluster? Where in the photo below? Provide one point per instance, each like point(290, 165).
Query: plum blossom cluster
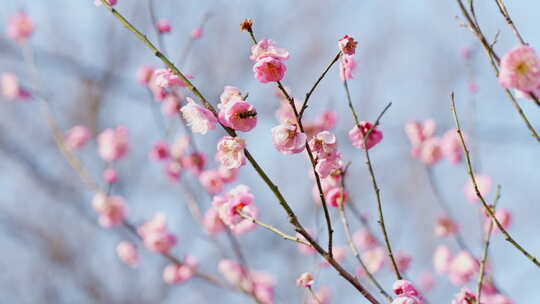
point(227, 211)
point(156, 235)
point(347, 46)
point(180, 273)
point(460, 268)
point(258, 283)
point(429, 148)
point(406, 293)
point(164, 86)
point(111, 209)
point(268, 58)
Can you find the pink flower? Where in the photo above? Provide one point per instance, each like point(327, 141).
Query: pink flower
point(195, 162)
point(145, 74)
point(238, 114)
point(503, 216)
point(520, 69)
point(166, 78)
point(347, 45)
point(484, 186)
point(127, 252)
point(305, 280)
point(426, 281)
point(160, 151)
point(445, 226)
point(155, 234)
point(230, 93)
point(323, 145)
point(268, 48)
point(171, 105)
point(77, 137)
point(10, 88)
point(462, 268)
point(212, 222)
point(336, 197)
point(197, 33)
point(374, 259)
point(430, 151)
point(269, 69)
point(403, 261)
point(19, 27)
point(211, 180)
point(327, 120)
point(451, 146)
point(179, 147)
point(111, 209)
point(237, 199)
point(287, 139)
point(327, 166)
point(173, 169)
point(347, 66)
point(464, 297)
point(175, 273)
point(496, 299)
point(231, 152)
point(441, 259)
point(113, 143)
point(418, 132)
point(357, 133)
point(364, 240)
point(404, 287)
point(110, 176)
point(163, 26)
point(228, 175)
point(200, 119)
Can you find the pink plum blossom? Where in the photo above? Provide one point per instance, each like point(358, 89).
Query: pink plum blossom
point(347, 45)
point(503, 216)
point(374, 259)
point(111, 2)
point(171, 105)
point(113, 143)
point(465, 296)
point(166, 78)
point(77, 137)
point(430, 151)
point(212, 222)
point(111, 209)
point(269, 69)
point(231, 152)
point(287, 138)
point(160, 151)
point(445, 226)
point(197, 33)
point(173, 170)
point(10, 87)
point(520, 69)
point(267, 48)
point(19, 27)
point(403, 261)
point(238, 114)
point(127, 252)
point(228, 175)
point(200, 119)
point(179, 273)
point(347, 66)
point(364, 240)
point(155, 234)
point(305, 280)
point(323, 145)
point(145, 74)
point(211, 181)
point(194, 162)
point(462, 268)
point(451, 146)
point(336, 197)
point(357, 133)
point(110, 176)
point(163, 26)
point(441, 259)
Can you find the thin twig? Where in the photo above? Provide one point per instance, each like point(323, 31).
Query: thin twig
point(274, 229)
point(479, 194)
point(506, 15)
point(348, 235)
point(486, 248)
point(314, 295)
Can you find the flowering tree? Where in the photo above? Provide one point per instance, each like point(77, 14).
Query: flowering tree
point(202, 146)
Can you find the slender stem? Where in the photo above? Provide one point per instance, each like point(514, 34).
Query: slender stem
point(479, 194)
point(291, 216)
point(153, 20)
point(274, 229)
point(356, 254)
point(494, 59)
point(314, 295)
point(446, 208)
point(308, 95)
point(506, 15)
point(374, 179)
point(486, 248)
point(191, 42)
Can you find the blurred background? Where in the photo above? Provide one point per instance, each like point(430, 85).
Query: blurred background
point(53, 251)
